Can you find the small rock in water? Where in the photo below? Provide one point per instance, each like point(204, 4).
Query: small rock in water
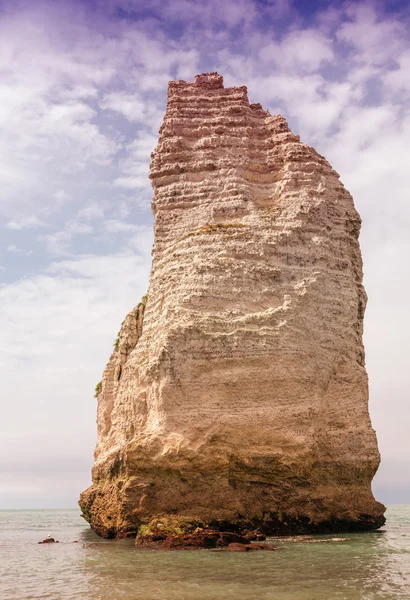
point(324, 541)
point(49, 540)
point(236, 547)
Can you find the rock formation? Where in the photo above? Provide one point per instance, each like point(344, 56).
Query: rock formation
point(236, 397)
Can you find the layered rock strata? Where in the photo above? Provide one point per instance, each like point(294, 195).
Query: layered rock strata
point(236, 396)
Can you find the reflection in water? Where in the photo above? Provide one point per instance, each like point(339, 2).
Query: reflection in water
point(373, 566)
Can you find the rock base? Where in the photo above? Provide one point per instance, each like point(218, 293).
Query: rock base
point(215, 533)
point(185, 534)
point(202, 540)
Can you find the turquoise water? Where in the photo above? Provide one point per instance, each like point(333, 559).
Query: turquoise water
point(372, 566)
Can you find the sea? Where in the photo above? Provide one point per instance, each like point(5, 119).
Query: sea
point(369, 566)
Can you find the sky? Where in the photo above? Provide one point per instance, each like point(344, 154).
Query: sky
point(82, 95)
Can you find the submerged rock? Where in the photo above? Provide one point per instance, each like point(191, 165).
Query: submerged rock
point(236, 395)
point(190, 541)
point(182, 534)
point(234, 547)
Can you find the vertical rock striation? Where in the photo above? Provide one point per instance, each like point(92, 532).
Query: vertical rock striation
point(237, 397)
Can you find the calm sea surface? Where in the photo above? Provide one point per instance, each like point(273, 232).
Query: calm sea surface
point(372, 566)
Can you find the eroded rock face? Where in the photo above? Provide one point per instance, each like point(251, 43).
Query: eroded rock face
point(237, 396)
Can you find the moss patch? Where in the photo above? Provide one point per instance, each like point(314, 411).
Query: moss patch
point(168, 525)
point(85, 513)
point(143, 301)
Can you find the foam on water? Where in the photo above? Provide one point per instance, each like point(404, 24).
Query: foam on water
point(372, 566)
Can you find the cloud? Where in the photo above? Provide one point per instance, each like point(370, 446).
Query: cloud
point(14, 250)
point(91, 212)
point(306, 50)
point(49, 91)
point(113, 226)
point(25, 223)
point(60, 196)
point(129, 105)
point(57, 332)
point(372, 35)
point(135, 166)
point(209, 15)
point(59, 242)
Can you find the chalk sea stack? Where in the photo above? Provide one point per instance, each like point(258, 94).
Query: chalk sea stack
point(236, 397)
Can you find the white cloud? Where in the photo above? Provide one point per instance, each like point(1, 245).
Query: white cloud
point(28, 222)
point(91, 211)
point(136, 164)
point(57, 332)
point(61, 196)
point(79, 301)
point(129, 105)
point(135, 181)
point(14, 250)
point(114, 226)
point(59, 242)
point(198, 14)
point(305, 50)
point(49, 92)
point(376, 38)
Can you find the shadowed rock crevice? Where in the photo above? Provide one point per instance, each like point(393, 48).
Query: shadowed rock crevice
point(236, 396)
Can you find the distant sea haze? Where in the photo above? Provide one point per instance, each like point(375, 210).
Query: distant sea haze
point(370, 566)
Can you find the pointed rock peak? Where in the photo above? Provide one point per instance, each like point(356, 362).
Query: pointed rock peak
point(209, 80)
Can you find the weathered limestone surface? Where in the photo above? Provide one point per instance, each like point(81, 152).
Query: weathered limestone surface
point(237, 395)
